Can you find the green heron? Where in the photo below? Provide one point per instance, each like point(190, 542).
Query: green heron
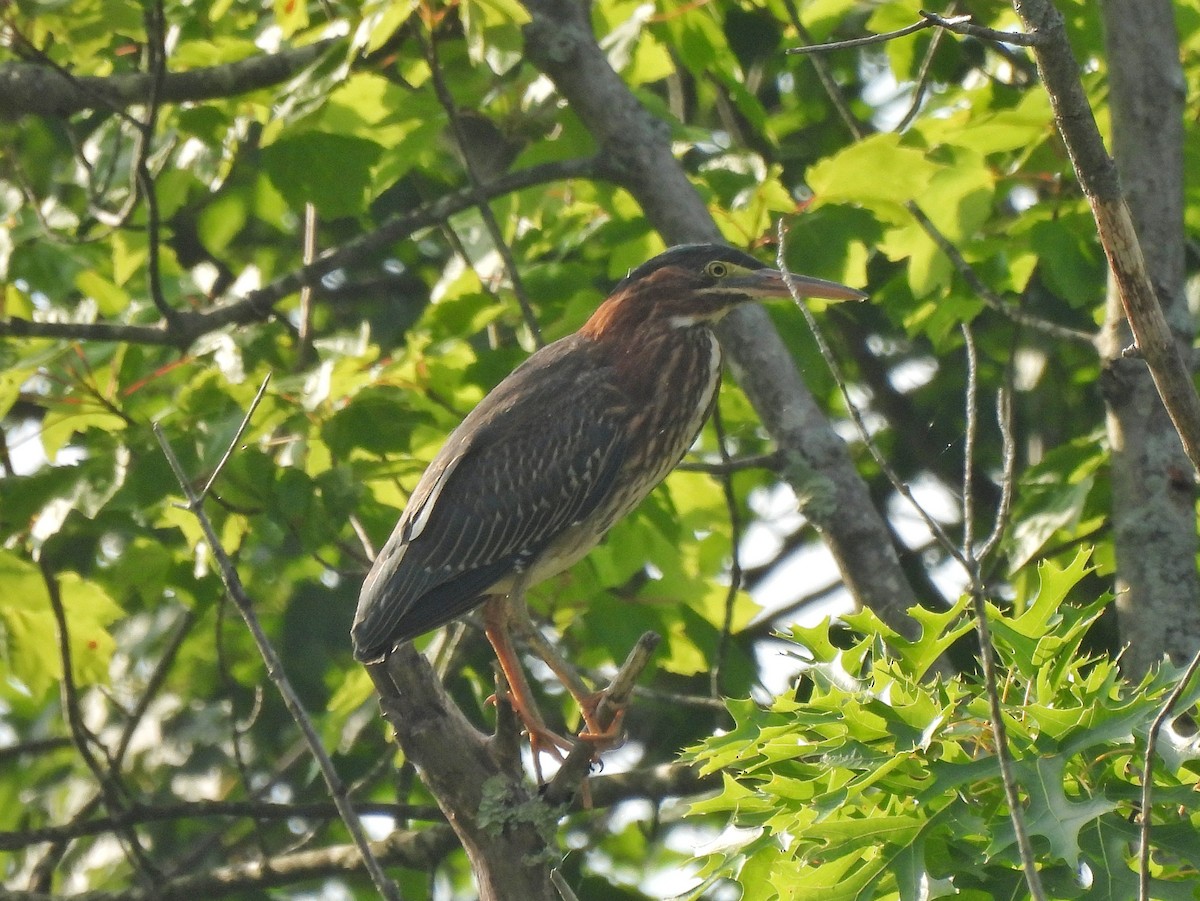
point(566, 445)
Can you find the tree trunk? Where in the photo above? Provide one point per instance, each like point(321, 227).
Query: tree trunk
point(1158, 593)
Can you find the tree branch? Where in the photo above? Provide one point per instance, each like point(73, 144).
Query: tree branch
point(1097, 174)
point(418, 850)
point(187, 326)
point(505, 829)
point(41, 90)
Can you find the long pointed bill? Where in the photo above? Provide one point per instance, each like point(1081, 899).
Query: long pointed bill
point(770, 283)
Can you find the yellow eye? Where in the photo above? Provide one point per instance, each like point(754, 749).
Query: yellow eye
point(717, 269)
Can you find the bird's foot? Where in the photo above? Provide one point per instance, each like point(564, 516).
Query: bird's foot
point(601, 737)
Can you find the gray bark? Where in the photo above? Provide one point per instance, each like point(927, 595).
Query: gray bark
point(1158, 593)
point(505, 828)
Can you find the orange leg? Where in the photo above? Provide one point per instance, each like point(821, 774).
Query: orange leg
point(588, 700)
point(496, 627)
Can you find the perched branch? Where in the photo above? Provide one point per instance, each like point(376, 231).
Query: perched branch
point(503, 827)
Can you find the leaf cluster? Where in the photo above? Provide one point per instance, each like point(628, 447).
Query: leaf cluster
point(874, 781)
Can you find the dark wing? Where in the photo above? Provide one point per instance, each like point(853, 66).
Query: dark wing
point(539, 453)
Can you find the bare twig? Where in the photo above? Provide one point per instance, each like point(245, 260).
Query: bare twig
point(237, 436)
point(156, 58)
point(987, 654)
point(868, 40)
point(562, 787)
point(772, 460)
point(957, 24)
point(304, 334)
point(987, 659)
point(839, 378)
point(113, 793)
point(259, 810)
point(964, 269)
point(1097, 174)
point(560, 885)
point(1004, 415)
point(735, 566)
point(259, 304)
point(923, 74)
point(419, 850)
point(972, 414)
point(233, 585)
point(963, 25)
point(986, 294)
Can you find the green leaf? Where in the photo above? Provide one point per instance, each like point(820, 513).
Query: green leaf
point(32, 633)
point(331, 171)
point(110, 300)
point(1051, 814)
point(852, 175)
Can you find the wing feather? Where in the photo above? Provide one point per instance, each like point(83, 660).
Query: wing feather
point(539, 453)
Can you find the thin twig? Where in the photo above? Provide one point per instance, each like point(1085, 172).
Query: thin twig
point(957, 24)
point(964, 25)
point(987, 659)
point(825, 76)
point(839, 378)
point(260, 303)
point(772, 461)
point(964, 269)
point(304, 333)
point(237, 436)
point(735, 567)
point(275, 671)
point(113, 793)
point(187, 618)
point(191, 810)
point(1008, 444)
point(923, 74)
point(987, 654)
point(1148, 775)
point(868, 40)
point(560, 885)
point(972, 414)
point(986, 294)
